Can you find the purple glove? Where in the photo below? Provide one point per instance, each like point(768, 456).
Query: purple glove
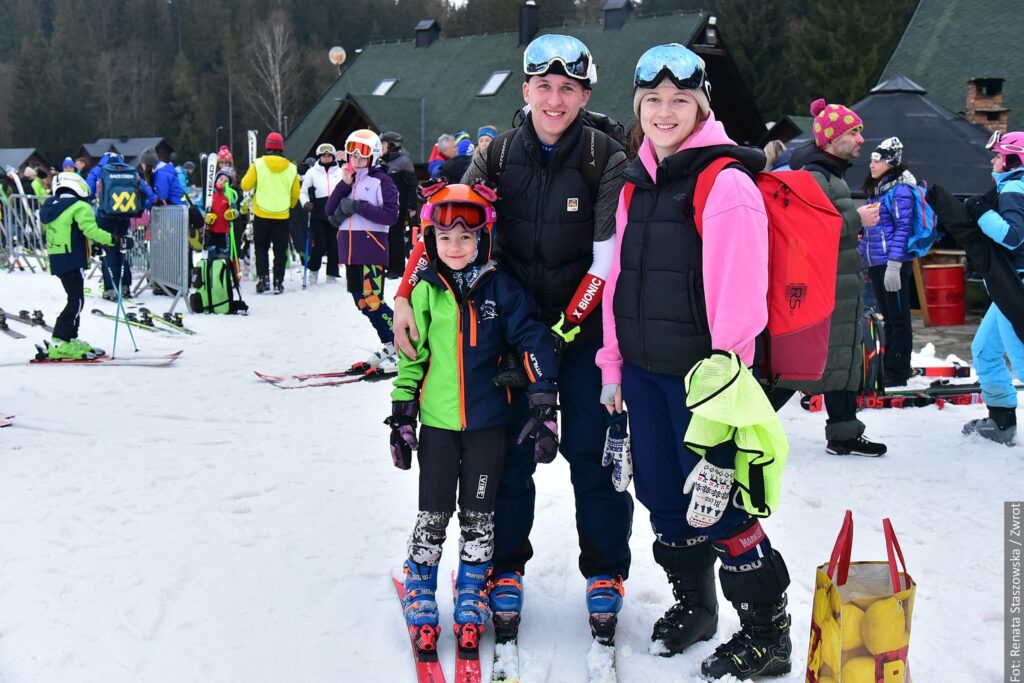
point(542, 427)
point(403, 432)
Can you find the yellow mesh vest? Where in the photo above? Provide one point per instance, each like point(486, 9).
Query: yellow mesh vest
point(274, 189)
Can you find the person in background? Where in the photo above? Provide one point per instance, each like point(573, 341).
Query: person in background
point(403, 174)
point(484, 135)
point(883, 248)
point(165, 179)
point(220, 217)
point(1000, 215)
point(455, 168)
point(317, 185)
point(444, 150)
point(68, 165)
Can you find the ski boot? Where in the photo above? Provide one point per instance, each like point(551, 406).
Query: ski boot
point(604, 600)
point(471, 607)
point(760, 648)
point(110, 294)
point(420, 605)
point(314, 277)
point(1000, 426)
point(88, 348)
point(506, 602)
point(263, 284)
point(278, 287)
point(65, 350)
point(377, 357)
point(694, 617)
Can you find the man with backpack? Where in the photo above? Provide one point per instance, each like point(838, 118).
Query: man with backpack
point(558, 182)
point(837, 140)
point(121, 194)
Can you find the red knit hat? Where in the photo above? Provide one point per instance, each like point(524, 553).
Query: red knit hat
point(224, 154)
point(832, 121)
point(275, 143)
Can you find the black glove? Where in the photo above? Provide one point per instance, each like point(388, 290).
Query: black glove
point(348, 206)
point(511, 372)
point(978, 205)
point(542, 427)
point(403, 432)
point(125, 243)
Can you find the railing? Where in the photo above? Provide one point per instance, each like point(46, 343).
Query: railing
point(22, 241)
point(168, 254)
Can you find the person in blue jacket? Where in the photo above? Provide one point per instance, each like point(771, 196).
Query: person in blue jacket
point(165, 179)
point(116, 263)
point(884, 250)
point(1000, 215)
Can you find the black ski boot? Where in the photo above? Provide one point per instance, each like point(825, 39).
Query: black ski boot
point(760, 648)
point(694, 617)
point(263, 284)
point(278, 287)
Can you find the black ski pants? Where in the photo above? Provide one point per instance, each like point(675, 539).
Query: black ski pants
point(323, 242)
point(895, 308)
point(397, 251)
point(267, 231)
point(469, 462)
point(66, 327)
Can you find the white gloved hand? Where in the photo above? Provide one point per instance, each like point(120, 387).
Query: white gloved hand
point(617, 452)
point(711, 487)
point(892, 279)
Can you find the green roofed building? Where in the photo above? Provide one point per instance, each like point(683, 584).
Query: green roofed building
point(431, 85)
point(967, 55)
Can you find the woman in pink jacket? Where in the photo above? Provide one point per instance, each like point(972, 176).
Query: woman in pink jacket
point(673, 298)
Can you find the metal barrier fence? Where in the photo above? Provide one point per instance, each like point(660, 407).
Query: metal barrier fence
point(169, 251)
point(22, 241)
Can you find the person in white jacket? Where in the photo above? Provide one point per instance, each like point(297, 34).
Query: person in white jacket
point(317, 185)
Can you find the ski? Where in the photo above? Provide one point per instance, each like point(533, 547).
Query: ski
point(356, 369)
point(6, 420)
point(33, 318)
point(428, 668)
point(900, 401)
point(130, 319)
point(170, 320)
point(145, 361)
point(325, 379)
point(467, 649)
point(505, 665)
point(5, 328)
point(954, 370)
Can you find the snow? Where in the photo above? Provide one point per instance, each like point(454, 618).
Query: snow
point(192, 523)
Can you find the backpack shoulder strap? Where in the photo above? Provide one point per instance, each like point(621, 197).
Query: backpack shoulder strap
point(705, 181)
point(497, 154)
point(595, 158)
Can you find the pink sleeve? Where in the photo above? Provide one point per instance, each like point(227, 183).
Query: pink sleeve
point(608, 357)
point(735, 263)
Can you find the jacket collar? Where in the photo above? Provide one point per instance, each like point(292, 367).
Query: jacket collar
point(811, 155)
point(565, 145)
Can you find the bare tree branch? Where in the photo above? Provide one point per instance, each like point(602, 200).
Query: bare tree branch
point(271, 70)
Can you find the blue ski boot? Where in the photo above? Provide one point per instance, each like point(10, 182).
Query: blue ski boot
point(420, 606)
point(471, 609)
point(506, 594)
point(604, 600)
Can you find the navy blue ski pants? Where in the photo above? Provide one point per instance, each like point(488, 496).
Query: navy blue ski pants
point(604, 517)
point(658, 419)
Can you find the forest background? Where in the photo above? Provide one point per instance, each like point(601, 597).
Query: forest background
point(195, 71)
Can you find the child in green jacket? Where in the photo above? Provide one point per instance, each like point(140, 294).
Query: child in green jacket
point(468, 313)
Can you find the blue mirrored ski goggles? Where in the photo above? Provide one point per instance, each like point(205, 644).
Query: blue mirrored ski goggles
point(674, 61)
point(573, 55)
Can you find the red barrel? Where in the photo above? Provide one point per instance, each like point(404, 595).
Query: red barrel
point(944, 293)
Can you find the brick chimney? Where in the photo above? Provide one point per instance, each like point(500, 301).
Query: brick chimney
point(985, 104)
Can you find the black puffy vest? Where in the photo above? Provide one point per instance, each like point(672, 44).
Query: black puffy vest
point(545, 232)
point(661, 320)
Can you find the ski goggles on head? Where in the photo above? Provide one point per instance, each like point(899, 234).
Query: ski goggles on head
point(681, 65)
point(1000, 144)
point(573, 55)
point(359, 149)
point(446, 215)
point(993, 140)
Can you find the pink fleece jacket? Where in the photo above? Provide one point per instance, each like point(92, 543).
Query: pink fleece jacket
point(735, 258)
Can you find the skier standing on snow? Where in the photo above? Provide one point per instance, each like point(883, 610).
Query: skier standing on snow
point(1000, 215)
point(677, 300)
point(317, 185)
point(469, 312)
point(68, 220)
point(554, 237)
point(363, 206)
point(275, 182)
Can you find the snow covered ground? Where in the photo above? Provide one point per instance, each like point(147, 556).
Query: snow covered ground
point(192, 523)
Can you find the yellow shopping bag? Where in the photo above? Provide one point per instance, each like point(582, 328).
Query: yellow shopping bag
point(860, 623)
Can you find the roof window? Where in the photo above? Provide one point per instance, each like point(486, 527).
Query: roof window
point(384, 86)
point(493, 83)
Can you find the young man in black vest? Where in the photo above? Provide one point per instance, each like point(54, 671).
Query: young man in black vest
point(555, 235)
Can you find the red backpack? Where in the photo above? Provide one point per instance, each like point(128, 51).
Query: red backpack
point(803, 249)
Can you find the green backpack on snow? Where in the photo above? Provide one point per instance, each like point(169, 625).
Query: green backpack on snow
point(216, 288)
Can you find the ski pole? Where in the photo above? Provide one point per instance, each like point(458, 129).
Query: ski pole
point(120, 307)
point(305, 269)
